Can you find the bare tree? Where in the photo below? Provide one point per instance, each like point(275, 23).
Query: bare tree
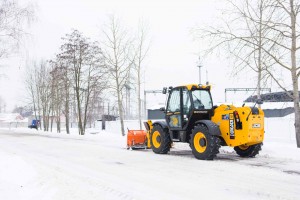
point(38, 85)
point(30, 86)
point(142, 48)
point(44, 90)
point(242, 35)
point(72, 50)
point(117, 49)
point(57, 93)
point(64, 76)
point(13, 20)
point(31, 83)
point(276, 43)
point(94, 82)
point(86, 68)
point(285, 26)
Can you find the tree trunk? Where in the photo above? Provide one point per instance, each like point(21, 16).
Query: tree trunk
point(77, 90)
point(87, 100)
point(80, 128)
point(297, 122)
point(67, 116)
point(120, 105)
point(121, 114)
point(259, 70)
point(67, 107)
point(139, 98)
point(51, 122)
point(296, 99)
point(294, 72)
point(58, 124)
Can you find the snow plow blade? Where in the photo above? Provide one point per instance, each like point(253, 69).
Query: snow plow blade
point(137, 139)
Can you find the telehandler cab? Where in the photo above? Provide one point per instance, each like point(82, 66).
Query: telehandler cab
point(191, 117)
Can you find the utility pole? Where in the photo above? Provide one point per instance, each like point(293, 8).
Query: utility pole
point(199, 65)
point(207, 82)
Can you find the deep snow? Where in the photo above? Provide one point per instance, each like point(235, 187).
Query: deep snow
point(39, 165)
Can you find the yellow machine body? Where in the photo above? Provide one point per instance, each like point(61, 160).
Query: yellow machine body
point(252, 125)
point(191, 117)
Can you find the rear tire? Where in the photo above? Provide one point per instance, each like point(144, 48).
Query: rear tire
point(160, 140)
point(204, 145)
point(248, 151)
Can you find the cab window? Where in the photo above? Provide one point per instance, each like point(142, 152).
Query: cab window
point(174, 101)
point(201, 99)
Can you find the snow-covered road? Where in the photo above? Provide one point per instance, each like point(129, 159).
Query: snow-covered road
point(42, 166)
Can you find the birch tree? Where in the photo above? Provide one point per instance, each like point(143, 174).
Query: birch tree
point(242, 35)
point(117, 49)
point(278, 43)
point(285, 26)
point(141, 48)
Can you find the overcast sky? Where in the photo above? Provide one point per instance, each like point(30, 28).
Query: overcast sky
point(173, 55)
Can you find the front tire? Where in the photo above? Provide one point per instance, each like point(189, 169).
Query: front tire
point(160, 140)
point(204, 145)
point(248, 151)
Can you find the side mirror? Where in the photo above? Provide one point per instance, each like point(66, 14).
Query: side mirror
point(162, 109)
point(259, 101)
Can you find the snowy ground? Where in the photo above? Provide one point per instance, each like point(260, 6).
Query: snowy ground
point(43, 166)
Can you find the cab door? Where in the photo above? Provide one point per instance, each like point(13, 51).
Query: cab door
point(174, 111)
point(186, 107)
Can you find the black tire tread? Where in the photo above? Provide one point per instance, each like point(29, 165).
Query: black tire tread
point(250, 152)
point(213, 146)
point(166, 140)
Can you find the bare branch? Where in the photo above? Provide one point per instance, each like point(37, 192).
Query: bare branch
point(279, 84)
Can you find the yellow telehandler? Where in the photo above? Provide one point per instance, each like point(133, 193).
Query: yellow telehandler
point(191, 117)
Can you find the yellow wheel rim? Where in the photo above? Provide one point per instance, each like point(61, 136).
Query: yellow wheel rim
point(243, 147)
point(156, 139)
point(200, 142)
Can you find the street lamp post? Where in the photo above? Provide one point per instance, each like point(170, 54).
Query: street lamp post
point(199, 73)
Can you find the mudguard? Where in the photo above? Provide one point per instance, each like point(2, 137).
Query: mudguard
point(213, 128)
point(163, 124)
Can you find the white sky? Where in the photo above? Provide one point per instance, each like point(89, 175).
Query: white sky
point(173, 55)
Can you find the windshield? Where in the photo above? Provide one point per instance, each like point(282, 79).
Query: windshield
point(201, 99)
